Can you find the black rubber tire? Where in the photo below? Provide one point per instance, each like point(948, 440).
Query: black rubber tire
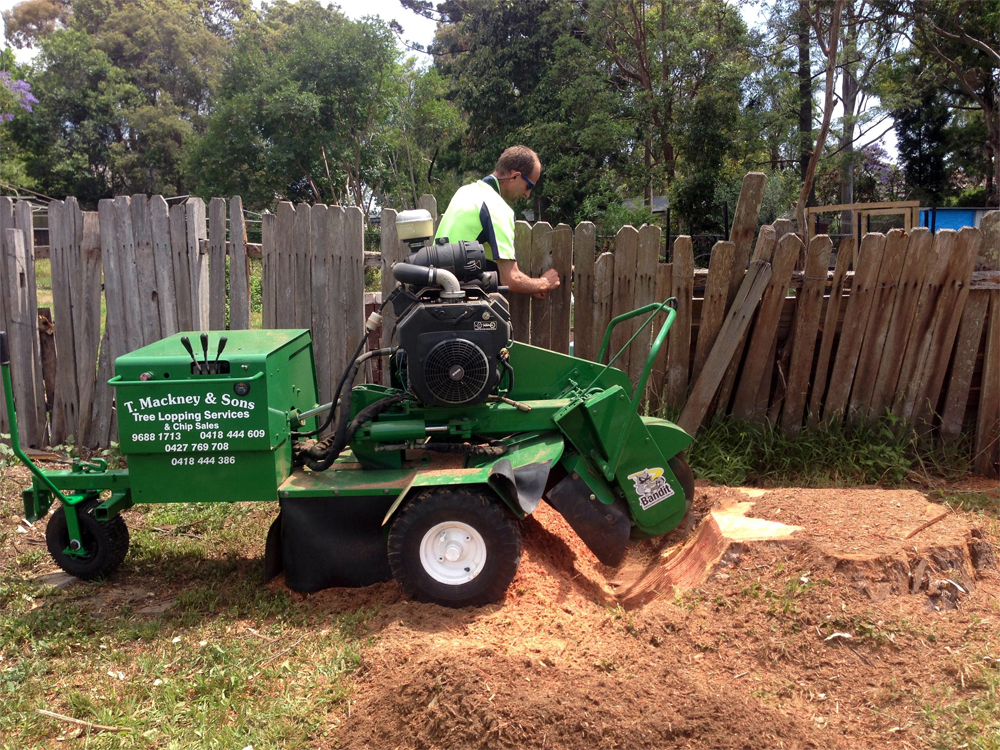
point(478, 508)
point(105, 541)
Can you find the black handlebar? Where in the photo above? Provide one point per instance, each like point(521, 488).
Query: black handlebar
point(4, 351)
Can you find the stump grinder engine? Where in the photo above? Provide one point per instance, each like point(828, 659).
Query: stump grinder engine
point(423, 480)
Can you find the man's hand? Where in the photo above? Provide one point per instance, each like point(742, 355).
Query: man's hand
point(551, 280)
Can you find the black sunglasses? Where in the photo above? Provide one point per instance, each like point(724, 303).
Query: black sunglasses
point(530, 184)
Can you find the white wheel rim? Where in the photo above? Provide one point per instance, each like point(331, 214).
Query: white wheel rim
point(453, 553)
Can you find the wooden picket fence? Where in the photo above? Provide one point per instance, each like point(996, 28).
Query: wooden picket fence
point(907, 322)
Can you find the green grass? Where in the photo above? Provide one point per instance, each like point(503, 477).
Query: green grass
point(734, 452)
point(985, 503)
point(193, 676)
point(965, 714)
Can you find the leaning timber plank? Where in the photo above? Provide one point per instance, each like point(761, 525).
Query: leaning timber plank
point(658, 378)
point(393, 251)
point(285, 285)
point(194, 214)
point(851, 337)
point(65, 407)
point(757, 369)
point(129, 272)
point(845, 256)
point(145, 264)
point(584, 246)
point(647, 256)
point(923, 315)
point(541, 261)
point(22, 336)
point(744, 227)
point(102, 415)
point(520, 304)
point(986, 445)
point(626, 254)
point(6, 222)
point(217, 264)
point(159, 218)
point(911, 280)
point(970, 334)
point(679, 355)
point(87, 313)
point(740, 313)
point(302, 254)
point(336, 252)
point(721, 270)
point(239, 268)
point(353, 271)
point(763, 250)
point(807, 314)
point(113, 292)
point(922, 397)
point(23, 221)
point(559, 298)
point(604, 294)
point(873, 345)
point(269, 270)
point(322, 326)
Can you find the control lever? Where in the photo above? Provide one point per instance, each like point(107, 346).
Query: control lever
point(204, 349)
point(187, 345)
point(222, 345)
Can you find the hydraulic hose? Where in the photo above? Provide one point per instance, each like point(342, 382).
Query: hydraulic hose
point(336, 395)
point(408, 273)
point(374, 320)
point(320, 457)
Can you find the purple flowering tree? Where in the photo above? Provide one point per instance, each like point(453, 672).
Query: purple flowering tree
point(14, 94)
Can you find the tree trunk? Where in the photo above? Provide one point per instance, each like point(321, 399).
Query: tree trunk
point(831, 69)
point(805, 90)
point(849, 95)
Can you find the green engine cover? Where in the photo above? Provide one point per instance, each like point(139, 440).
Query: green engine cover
point(220, 435)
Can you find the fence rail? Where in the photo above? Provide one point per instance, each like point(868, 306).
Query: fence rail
point(906, 321)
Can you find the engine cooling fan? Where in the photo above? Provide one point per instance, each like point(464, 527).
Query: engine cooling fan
point(456, 371)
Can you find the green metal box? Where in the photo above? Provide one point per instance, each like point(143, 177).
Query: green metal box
point(215, 433)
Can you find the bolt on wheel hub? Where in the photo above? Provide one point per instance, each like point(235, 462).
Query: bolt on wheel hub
point(453, 553)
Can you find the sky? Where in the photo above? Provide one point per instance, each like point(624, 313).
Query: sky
point(421, 31)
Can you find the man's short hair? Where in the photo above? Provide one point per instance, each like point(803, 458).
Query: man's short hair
point(517, 159)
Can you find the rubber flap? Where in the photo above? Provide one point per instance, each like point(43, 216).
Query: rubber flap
point(603, 528)
point(333, 541)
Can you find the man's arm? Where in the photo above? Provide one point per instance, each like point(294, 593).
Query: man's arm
point(513, 277)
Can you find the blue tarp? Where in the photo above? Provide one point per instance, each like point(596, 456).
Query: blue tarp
point(949, 218)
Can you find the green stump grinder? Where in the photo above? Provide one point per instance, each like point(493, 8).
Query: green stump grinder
point(425, 480)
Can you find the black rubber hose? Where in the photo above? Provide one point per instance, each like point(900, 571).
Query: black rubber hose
point(336, 395)
point(510, 373)
point(321, 456)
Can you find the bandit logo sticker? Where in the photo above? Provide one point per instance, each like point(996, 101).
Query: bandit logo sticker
point(651, 487)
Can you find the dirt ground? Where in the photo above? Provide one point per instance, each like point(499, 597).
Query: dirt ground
point(815, 641)
point(872, 621)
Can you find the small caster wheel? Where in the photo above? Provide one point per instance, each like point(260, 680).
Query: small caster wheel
point(105, 543)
